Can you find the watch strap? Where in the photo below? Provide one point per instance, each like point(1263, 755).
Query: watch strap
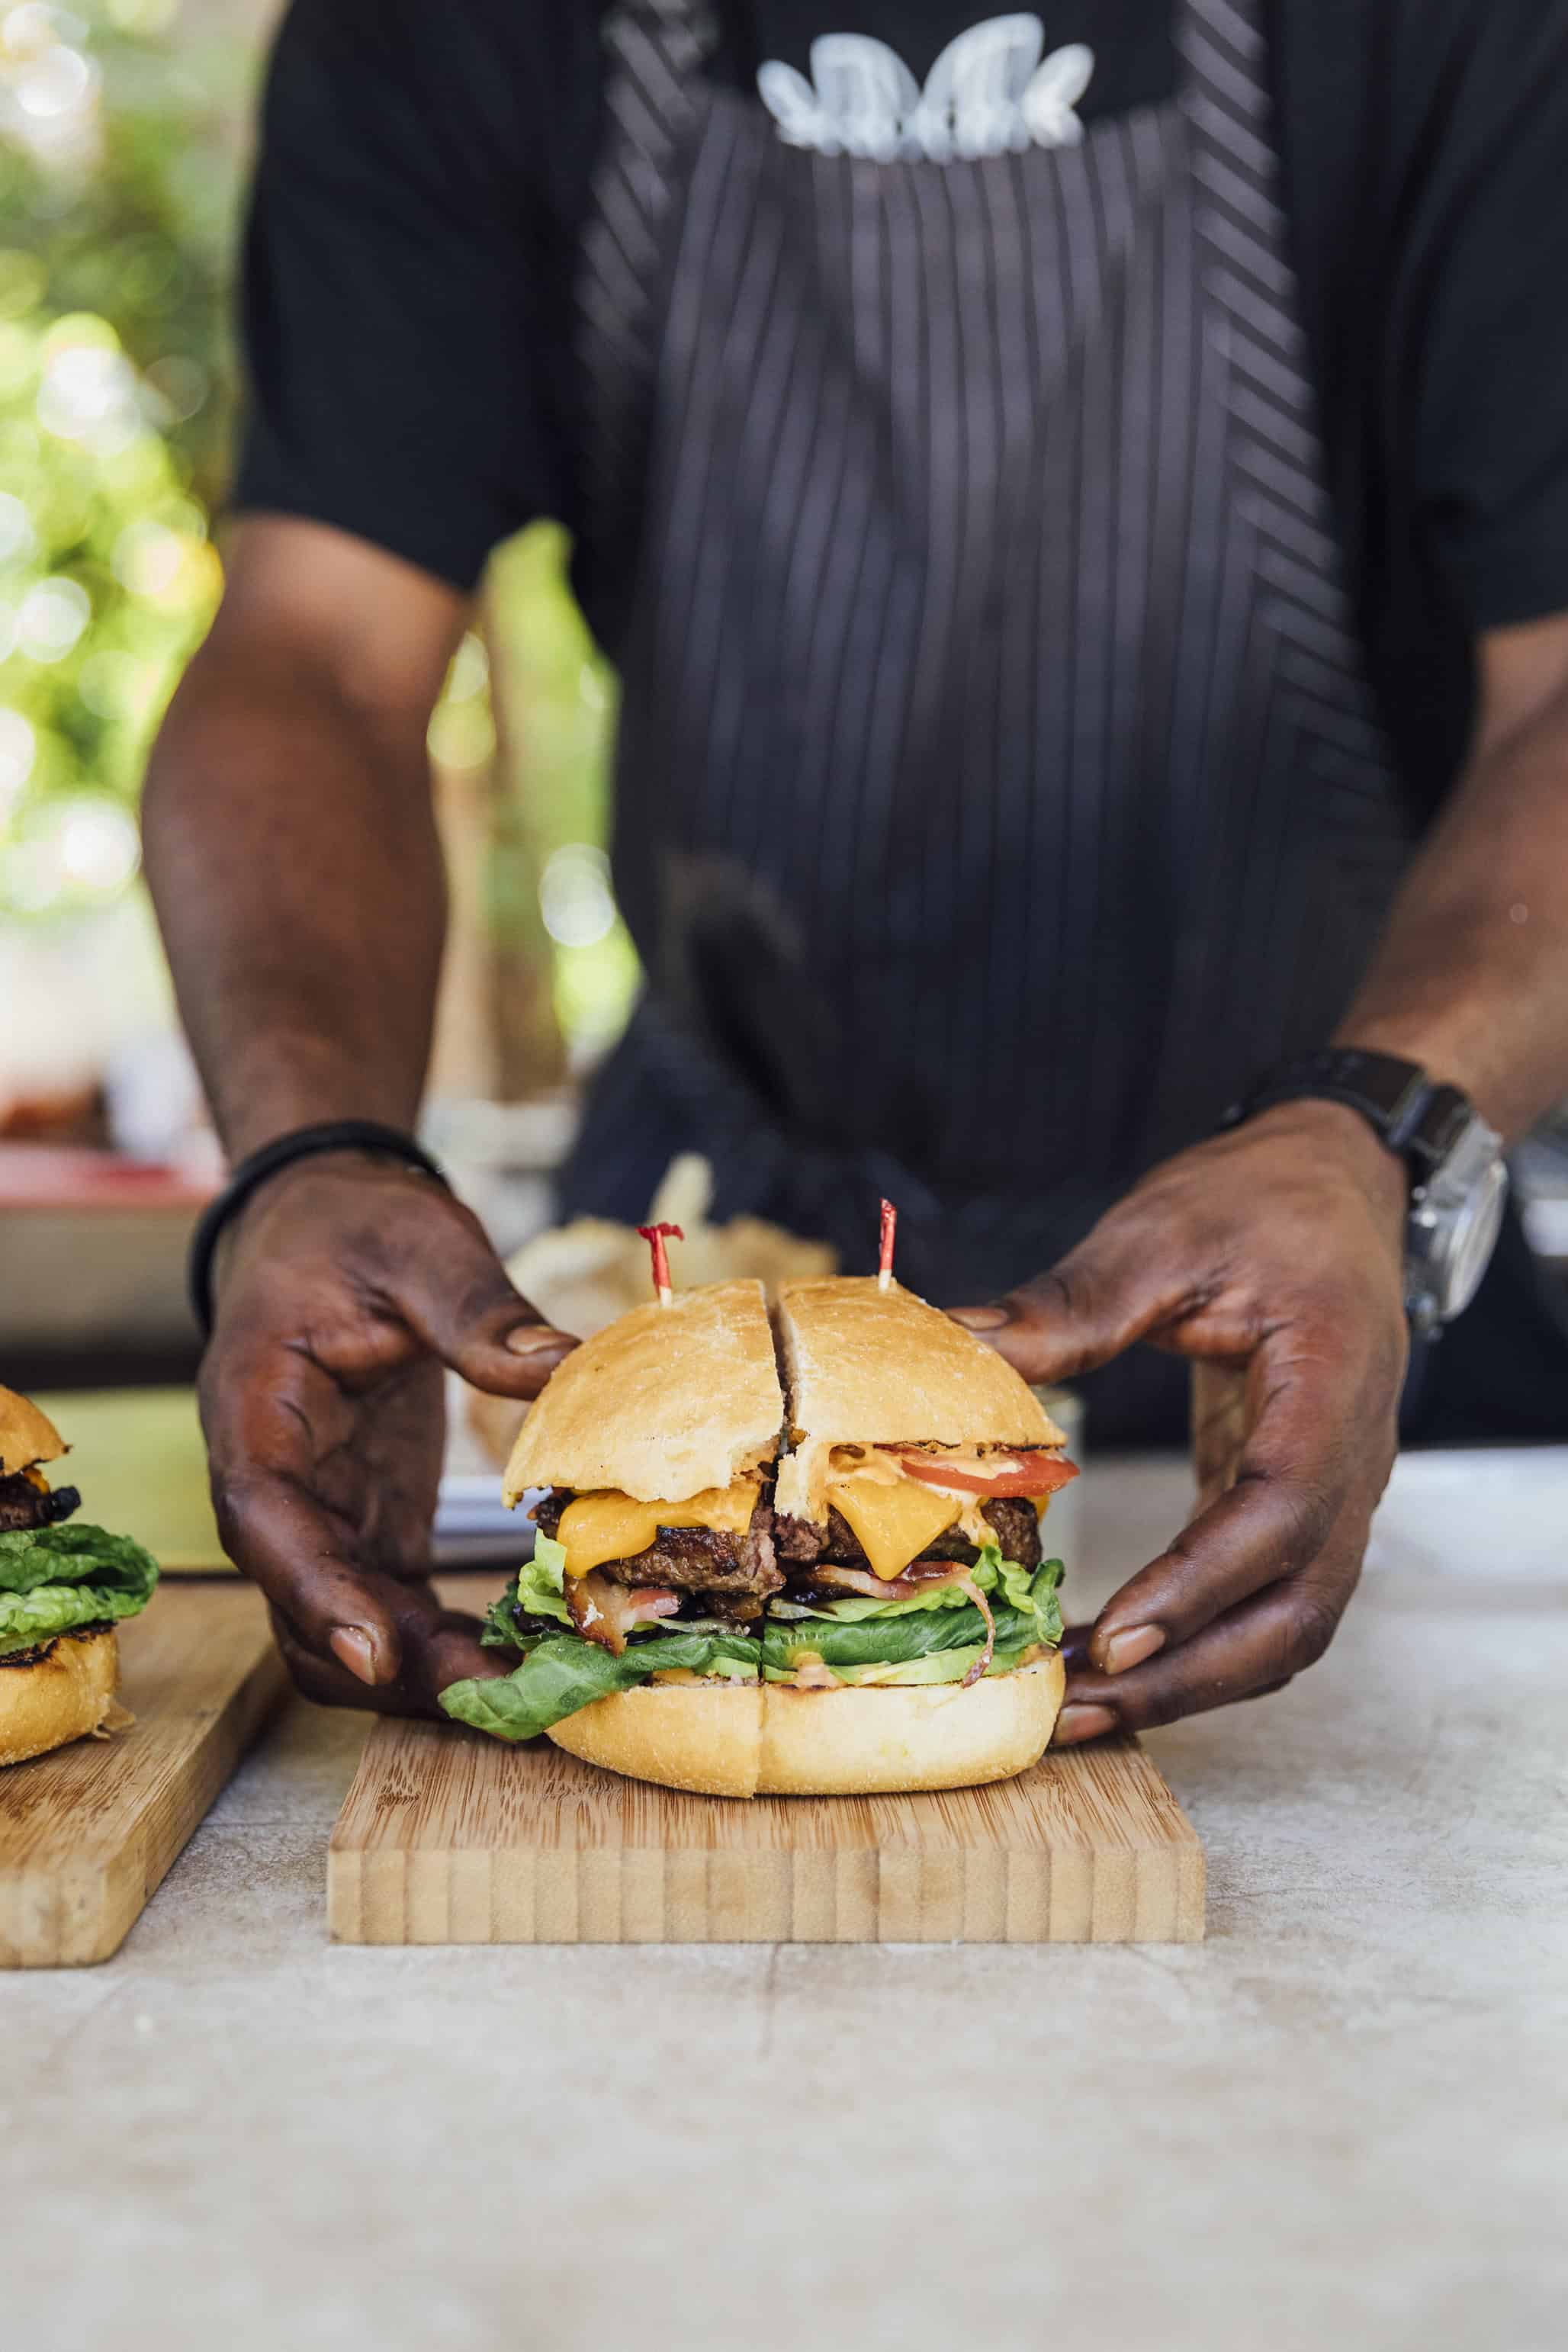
point(1411, 1114)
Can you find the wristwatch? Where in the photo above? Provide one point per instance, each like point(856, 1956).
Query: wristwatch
point(1458, 1176)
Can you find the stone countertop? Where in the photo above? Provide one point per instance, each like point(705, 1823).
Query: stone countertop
point(1342, 2121)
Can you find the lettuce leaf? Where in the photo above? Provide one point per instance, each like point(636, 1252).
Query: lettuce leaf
point(539, 1588)
point(938, 1667)
point(933, 1638)
point(541, 1581)
point(900, 1633)
point(52, 1578)
point(563, 1673)
point(1030, 1594)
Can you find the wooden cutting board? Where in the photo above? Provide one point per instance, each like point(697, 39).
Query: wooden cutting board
point(446, 1837)
point(87, 1834)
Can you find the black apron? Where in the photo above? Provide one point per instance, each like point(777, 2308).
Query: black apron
point(998, 784)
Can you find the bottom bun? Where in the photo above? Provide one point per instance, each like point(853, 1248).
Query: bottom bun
point(58, 1697)
point(706, 1736)
point(749, 1739)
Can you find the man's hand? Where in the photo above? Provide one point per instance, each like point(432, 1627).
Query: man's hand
point(1274, 1251)
point(346, 1285)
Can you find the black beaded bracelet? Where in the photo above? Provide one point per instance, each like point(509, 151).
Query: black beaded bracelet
point(301, 1143)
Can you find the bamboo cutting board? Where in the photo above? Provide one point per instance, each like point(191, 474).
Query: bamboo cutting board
point(87, 1834)
point(446, 1837)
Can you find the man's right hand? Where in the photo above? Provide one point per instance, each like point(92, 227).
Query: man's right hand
point(345, 1287)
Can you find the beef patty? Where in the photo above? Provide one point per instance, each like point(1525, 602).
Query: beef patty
point(1014, 1522)
point(24, 1506)
point(731, 1576)
point(727, 1571)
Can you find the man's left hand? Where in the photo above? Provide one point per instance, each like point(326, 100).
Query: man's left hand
point(1274, 1251)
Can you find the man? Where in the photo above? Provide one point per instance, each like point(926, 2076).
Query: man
point(1080, 504)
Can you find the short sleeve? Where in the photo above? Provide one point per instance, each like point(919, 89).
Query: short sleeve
point(406, 272)
point(1486, 275)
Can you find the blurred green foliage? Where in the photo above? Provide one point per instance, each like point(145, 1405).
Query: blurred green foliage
point(122, 134)
point(118, 187)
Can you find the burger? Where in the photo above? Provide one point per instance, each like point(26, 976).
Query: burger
point(827, 1583)
point(63, 1588)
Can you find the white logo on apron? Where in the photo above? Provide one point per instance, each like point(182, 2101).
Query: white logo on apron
point(987, 94)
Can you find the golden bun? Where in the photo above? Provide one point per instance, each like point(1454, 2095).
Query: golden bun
point(871, 1367)
point(762, 1740)
point(58, 1697)
point(26, 1436)
point(662, 1404)
point(704, 1737)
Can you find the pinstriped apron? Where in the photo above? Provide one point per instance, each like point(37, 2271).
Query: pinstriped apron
point(998, 784)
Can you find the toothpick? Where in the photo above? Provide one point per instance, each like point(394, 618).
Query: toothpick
point(889, 1227)
point(654, 1236)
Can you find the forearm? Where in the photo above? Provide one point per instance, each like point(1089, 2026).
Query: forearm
point(297, 874)
point(1471, 977)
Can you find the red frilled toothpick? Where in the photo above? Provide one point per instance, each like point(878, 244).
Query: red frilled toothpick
point(655, 1237)
point(889, 1227)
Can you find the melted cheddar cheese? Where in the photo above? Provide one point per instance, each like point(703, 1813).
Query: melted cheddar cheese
point(609, 1525)
point(892, 1525)
point(894, 1516)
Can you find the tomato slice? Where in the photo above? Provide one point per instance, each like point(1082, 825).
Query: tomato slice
point(1015, 1473)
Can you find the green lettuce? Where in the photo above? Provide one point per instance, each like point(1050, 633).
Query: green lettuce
point(853, 1636)
point(561, 1673)
point(1030, 1592)
point(937, 1666)
point(54, 1578)
point(539, 1588)
point(933, 1638)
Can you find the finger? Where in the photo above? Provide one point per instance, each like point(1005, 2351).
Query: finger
point(462, 1304)
point(1322, 1407)
point(1256, 1647)
point(278, 1535)
point(438, 1647)
point(1104, 1295)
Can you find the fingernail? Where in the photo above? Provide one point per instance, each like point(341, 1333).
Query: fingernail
point(354, 1648)
point(1130, 1648)
point(979, 1318)
point(1079, 1723)
point(533, 1338)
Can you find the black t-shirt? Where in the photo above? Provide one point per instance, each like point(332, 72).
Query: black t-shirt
point(424, 174)
point(423, 178)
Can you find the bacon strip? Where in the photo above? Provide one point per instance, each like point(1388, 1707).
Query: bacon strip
point(967, 1583)
point(916, 1577)
point(603, 1611)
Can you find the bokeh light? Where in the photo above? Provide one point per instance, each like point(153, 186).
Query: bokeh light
point(107, 580)
point(18, 749)
point(574, 897)
point(100, 848)
point(51, 617)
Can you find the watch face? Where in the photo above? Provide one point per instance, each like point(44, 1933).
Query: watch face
point(1464, 1240)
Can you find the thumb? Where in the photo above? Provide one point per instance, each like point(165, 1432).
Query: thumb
point(461, 1302)
point(1097, 1301)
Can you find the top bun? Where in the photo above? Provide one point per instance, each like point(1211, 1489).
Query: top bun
point(873, 1367)
point(661, 1405)
point(26, 1436)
